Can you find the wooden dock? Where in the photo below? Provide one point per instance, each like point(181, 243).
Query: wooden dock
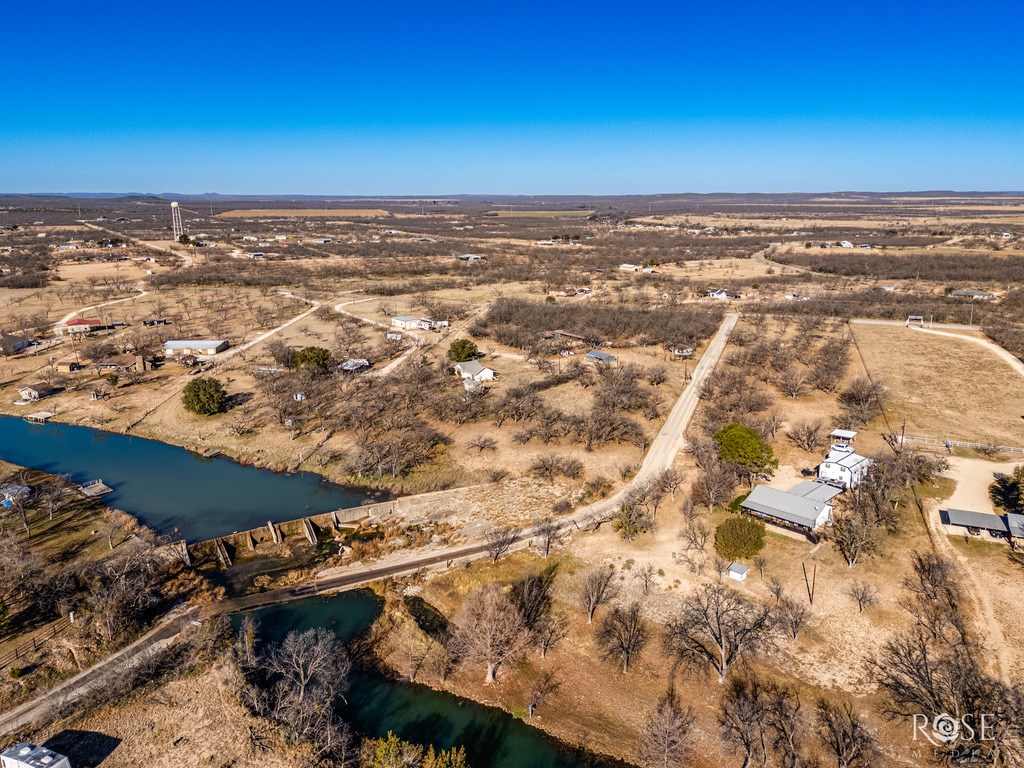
point(95, 488)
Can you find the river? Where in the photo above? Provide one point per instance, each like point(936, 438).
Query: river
point(376, 704)
point(170, 489)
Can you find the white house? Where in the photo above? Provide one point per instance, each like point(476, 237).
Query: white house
point(35, 391)
point(845, 244)
point(197, 347)
point(474, 371)
point(843, 466)
point(629, 268)
point(25, 755)
point(717, 293)
point(469, 257)
point(405, 322)
point(738, 571)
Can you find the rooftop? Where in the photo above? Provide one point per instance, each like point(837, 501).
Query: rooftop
point(35, 757)
point(984, 520)
point(815, 491)
point(193, 343)
point(798, 510)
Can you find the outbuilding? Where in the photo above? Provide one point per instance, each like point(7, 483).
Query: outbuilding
point(598, 357)
point(738, 571)
point(405, 322)
point(36, 391)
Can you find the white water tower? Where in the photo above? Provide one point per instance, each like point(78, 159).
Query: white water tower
point(176, 226)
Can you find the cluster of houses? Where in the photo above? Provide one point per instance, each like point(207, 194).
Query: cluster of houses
point(807, 506)
point(411, 323)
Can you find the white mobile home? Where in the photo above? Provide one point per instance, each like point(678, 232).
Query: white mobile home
point(196, 347)
point(25, 755)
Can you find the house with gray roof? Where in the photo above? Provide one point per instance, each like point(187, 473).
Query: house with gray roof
point(474, 371)
point(787, 509)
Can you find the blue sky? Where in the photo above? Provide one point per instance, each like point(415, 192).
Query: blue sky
point(525, 98)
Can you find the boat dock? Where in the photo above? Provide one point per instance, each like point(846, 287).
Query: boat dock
point(95, 488)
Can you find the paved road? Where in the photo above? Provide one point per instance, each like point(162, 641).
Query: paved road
point(663, 451)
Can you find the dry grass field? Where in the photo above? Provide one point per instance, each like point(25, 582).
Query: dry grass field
point(518, 214)
point(305, 213)
point(945, 388)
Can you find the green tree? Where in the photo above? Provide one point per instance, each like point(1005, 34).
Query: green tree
point(450, 758)
point(314, 358)
point(205, 396)
point(183, 239)
point(743, 448)
point(739, 538)
point(462, 350)
point(392, 752)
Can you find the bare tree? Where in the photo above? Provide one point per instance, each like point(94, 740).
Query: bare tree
point(547, 532)
point(715, 628)
point(793, 381)
point(552, 629)
point(312, 658)
point(542, 689)
point(761, 562)
point(854, 534)
point(623, 634)
point(808, 435)
point(665, 738)
point(596, 590)
point(792, 617)
point(484, 443)
point(501, 540)
point(645, 574)
point(846, 737)
point(863, 594)
point(488, 630)
point(714, 483)
point(777, 589)
point(743, 721)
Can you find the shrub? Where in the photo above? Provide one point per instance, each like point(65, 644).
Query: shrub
point(739, 538)
point(205, 396)
point(315, 358)
point(15, 673)
point(462, 350)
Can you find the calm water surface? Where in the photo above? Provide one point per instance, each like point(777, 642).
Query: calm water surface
point(377, 704)
point(166, 487)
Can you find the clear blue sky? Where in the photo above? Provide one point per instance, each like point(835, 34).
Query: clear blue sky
point(517, 97)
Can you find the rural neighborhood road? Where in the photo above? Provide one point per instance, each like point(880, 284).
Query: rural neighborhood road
point(663, 451)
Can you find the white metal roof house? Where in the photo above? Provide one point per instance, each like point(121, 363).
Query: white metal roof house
point(629, 267)
point(474, 371)
point(843, 467)
point(599, 357)
point(181, 347)
point(405, 322)
point(787, 508)
point(717, 293)
point(25, 755)
point(738, 571)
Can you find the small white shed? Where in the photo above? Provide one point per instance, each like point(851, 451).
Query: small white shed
point(738, 571)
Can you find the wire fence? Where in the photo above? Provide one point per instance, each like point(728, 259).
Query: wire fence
point(948, 444)
point(25, 649)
